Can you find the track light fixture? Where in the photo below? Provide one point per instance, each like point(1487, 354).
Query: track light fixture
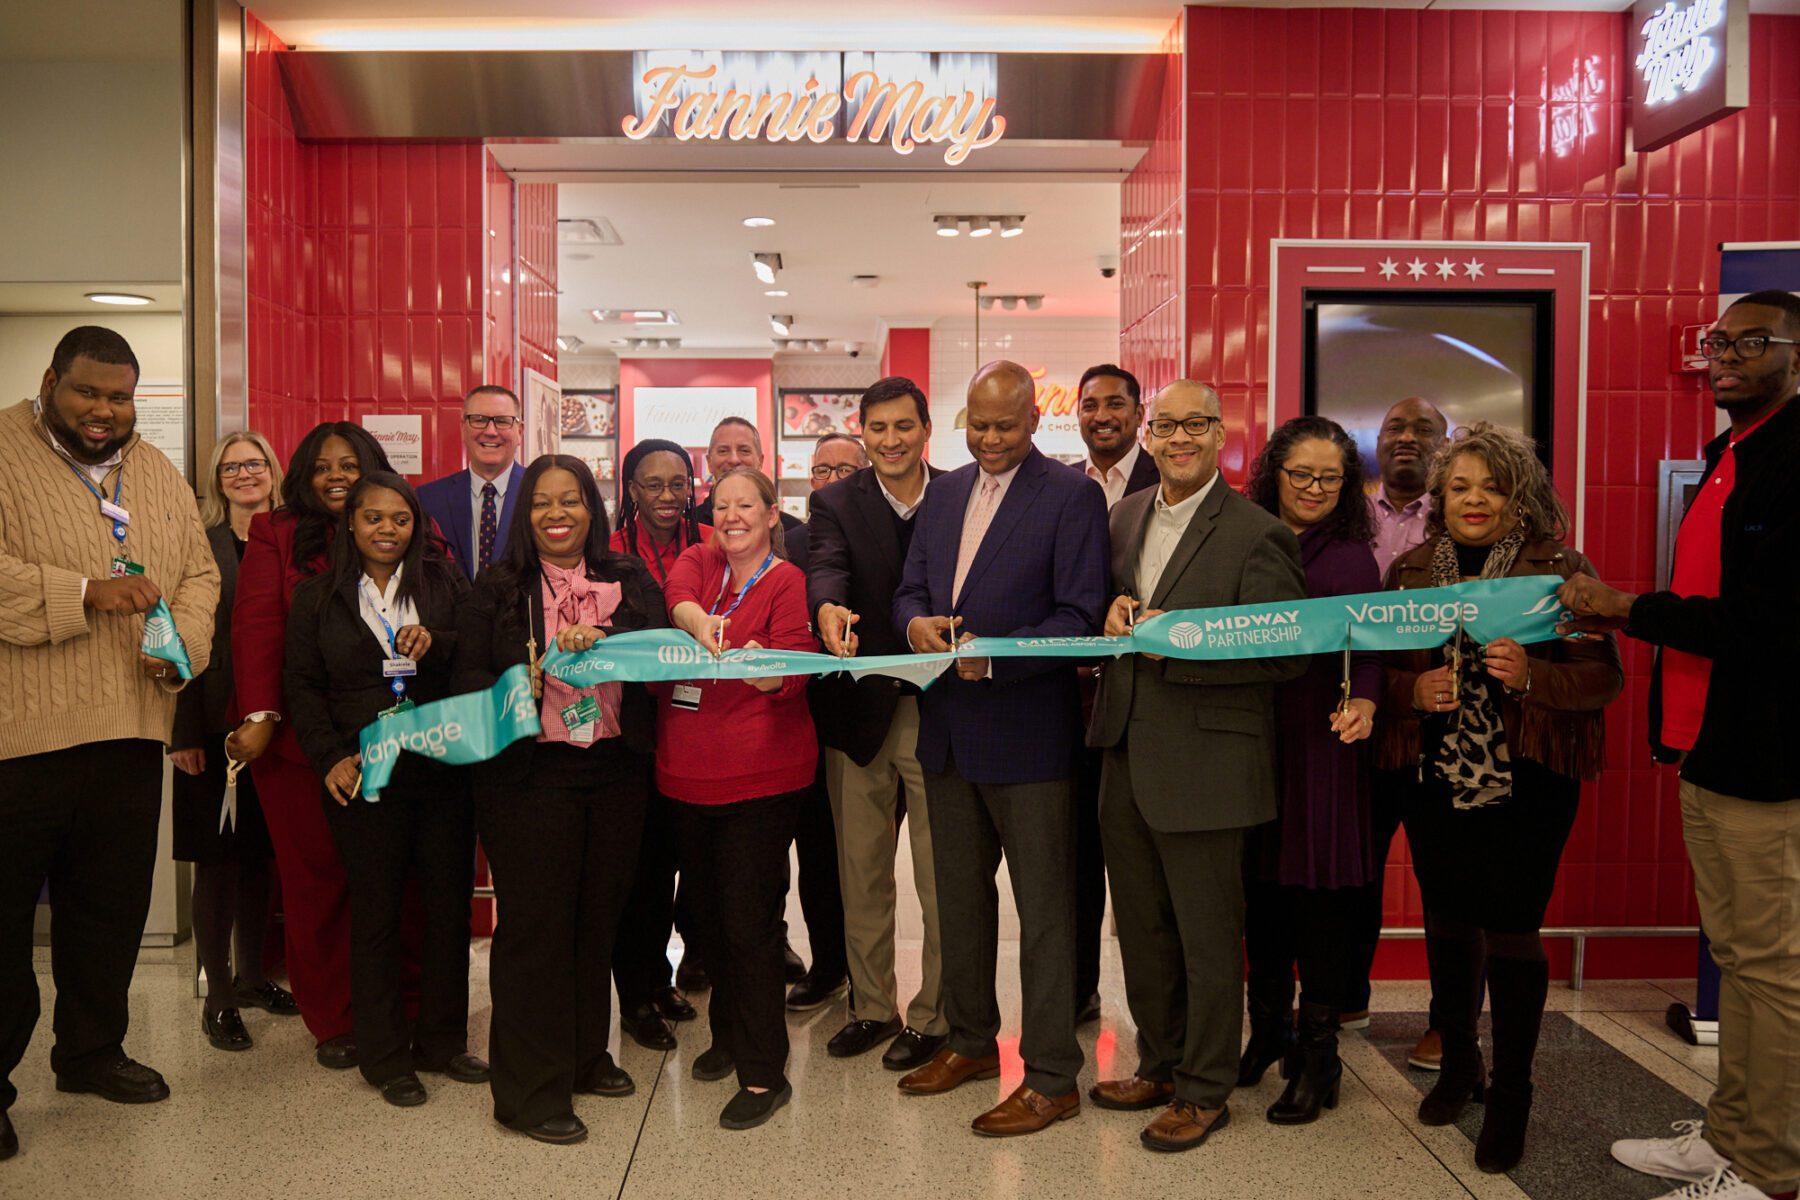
point(766, 266)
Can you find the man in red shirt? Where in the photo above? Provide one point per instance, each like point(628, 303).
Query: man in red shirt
point(1729, 649)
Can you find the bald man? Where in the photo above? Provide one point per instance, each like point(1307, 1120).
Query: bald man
point(1013, 545)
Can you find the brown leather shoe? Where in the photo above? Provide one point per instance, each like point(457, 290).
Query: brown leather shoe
point(1130, 1095)
point(1026, 1111)
point(948, 1069)
point(1428, 1055)
point(1183, 1126)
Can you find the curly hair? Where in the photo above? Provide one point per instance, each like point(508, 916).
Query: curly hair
point(1518, 471)
point(1350, 519)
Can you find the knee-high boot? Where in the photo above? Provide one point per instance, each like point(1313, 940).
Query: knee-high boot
point(1517, 989)
point(1456, 991)
point(1315, 1085)
point(1271, 1001)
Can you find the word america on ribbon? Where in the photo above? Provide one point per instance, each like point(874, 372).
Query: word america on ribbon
point(475, 727)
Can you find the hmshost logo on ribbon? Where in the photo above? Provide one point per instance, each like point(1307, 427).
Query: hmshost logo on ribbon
point(162, 640)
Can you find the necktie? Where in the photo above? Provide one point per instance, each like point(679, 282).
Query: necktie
point(490, 526)
point(975, 527)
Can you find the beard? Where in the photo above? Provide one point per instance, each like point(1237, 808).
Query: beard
point(79, 448)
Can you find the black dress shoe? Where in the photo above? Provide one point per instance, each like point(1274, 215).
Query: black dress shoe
point(1088, 1010)
point(860, 1037)
point(607, 1079)
point(9, 1137)
point(690, 976)
point(225, 1030)
point(812, 992)
point(403, 1091)
point(122, 1081)
point(673, 1005)
point(794, 966)
point(268, 997)
point(912, 1049)
point(565, 1130)
point(463, 1068)
point(645, 1026)
point(748, 1109)
point(714, 1064)
point(337, 1054)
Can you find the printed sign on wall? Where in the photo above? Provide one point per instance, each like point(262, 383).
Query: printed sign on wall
point(403, 439)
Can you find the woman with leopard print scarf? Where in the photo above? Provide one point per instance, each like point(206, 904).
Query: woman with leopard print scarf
point(1503, 736)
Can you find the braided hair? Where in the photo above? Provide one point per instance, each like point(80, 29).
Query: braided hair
point(688, 532)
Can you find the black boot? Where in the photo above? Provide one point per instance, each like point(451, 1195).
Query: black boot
point(1271, 1000)
point(1517, 988)
point(1456, 1001)
point(1315, 1085)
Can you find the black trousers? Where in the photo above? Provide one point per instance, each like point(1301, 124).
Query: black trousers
point(423, 832)
point(85, 819)
point(653, 909)
point(821, 898)
point(1090, 876)
point(734, 856)
point(1311, 928)
point(563, 860)
point(1391, 793)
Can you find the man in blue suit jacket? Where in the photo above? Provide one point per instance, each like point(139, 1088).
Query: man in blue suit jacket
point(1012, 546)
point(473, 507)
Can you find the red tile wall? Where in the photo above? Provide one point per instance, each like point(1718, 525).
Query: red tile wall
point(1150, 239)
point(1362, 123)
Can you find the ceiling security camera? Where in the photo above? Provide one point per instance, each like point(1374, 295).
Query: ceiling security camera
point(1108, 264)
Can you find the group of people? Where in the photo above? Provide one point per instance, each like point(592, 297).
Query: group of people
point(1238, 808)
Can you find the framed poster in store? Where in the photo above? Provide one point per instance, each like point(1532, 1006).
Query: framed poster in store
point(812, 412)
point(543, 415)
point(590, 412)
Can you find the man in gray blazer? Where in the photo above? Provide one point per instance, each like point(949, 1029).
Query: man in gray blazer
point(1188, 766)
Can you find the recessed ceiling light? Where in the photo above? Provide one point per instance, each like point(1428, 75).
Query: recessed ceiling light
point(776, 292)
point(780, 323)
point(766, 266)
point(118, 298)
point(758, 222)
point(568, 343)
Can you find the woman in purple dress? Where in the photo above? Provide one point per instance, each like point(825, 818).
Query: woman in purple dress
point(1303, 870)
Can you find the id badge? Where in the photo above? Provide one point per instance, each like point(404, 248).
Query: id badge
point(581, 719)
point(122, 566)
point(397, 668)
point(114, 513)
point(687, 696)
point(403, 706)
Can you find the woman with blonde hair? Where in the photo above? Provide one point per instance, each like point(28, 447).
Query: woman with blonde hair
point(1502, 736)
point(228, 845)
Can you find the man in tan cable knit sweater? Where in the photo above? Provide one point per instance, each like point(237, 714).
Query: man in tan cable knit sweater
point(95, 526)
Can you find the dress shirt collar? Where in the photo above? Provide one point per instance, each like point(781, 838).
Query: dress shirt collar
point(95, 471)
point(1120, 470)
point(1183, 511)
point(499, 481)
point(1414, 506)
point(904, 511)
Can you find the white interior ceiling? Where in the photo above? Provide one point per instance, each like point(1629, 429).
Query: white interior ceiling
point(685, 247)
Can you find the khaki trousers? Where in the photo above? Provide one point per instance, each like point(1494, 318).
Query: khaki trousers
point(1746, 858)
point(862, 805)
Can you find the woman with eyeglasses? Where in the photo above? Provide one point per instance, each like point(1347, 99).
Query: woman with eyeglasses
point(473, 507)
point(370, 637)
point(1303, 871)
point(228, 843)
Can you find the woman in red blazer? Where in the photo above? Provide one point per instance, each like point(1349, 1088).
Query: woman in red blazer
point(285, 548)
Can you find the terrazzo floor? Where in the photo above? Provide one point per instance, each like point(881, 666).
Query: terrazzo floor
point(269, 1123)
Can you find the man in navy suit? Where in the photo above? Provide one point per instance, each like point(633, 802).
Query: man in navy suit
point(1013, 546)
point(473, 507)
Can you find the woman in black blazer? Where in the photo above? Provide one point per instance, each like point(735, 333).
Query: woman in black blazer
point(374, 633)
point(560, 816)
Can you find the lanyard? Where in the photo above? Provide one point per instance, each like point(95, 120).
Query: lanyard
point(726, 582)
point(654, 559)
point(398, 684)
point(118, 526)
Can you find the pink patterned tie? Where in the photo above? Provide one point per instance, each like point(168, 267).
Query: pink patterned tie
point(975, 527)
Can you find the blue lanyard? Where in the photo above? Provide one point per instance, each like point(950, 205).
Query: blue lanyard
point(726, 582)
point(398, 685)
point(118, 527)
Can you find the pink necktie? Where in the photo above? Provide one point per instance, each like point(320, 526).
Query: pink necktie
point(975, 527)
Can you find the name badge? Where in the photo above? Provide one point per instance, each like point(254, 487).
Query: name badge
point(581, 718)
point(114, 513)
point(122, 566)
point(398, 667)
point(687, 696)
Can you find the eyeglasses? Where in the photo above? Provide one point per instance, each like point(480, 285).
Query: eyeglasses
point(656, 487)
point(1303, 480)
point(1163, 427)
point(841, 471)
point(249, 466)
point(1749, 345)
point(482, 421)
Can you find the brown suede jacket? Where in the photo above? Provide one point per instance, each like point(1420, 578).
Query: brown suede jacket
point(1559, 724)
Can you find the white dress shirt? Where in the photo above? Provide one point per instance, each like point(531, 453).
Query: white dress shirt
point(1115, 478)
point(1163, 532)
point(375, 604)
point(905, 511)
point(475, 483)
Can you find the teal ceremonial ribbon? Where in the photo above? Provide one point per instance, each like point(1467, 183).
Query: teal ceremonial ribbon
point(162, 641)
point(469, 728)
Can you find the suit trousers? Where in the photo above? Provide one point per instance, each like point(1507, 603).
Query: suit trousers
point(1179, 901)
point(821, 897)
point(85, 819)
point(735, 857)
point(1746, 857)
point(1032, 825)
point(863, 803)
point(423, 832)
point(315, 900)
point(563, 860)
point(653, 910)
point(1392, 794)
point(1090, 876)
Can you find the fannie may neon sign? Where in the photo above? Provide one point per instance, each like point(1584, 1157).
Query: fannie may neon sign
point(1678, 49)
point(774, 104)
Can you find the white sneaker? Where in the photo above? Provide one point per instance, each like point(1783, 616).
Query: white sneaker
point(1722, 1184)
point(1687, 1155)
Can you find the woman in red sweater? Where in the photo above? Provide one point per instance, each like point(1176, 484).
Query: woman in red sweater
point(736, 756)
